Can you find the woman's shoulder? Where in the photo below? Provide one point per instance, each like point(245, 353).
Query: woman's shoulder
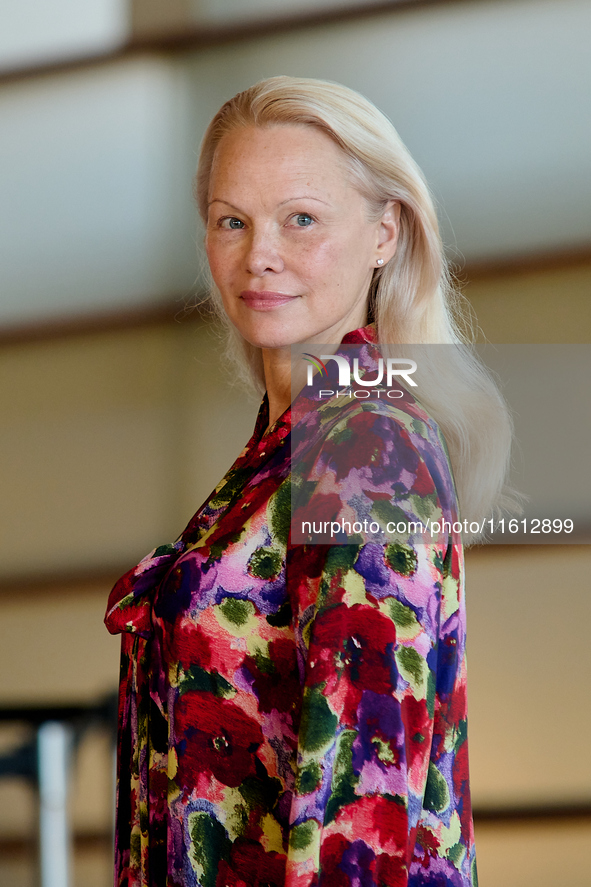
point(396, 406)
point(372, 458)
point(385, 419)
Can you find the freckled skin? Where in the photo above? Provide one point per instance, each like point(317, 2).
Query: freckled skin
point(284, 218)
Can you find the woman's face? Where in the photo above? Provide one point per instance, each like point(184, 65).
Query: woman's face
point(288, 239)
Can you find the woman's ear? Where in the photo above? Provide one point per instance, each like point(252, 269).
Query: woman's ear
point(389, 227)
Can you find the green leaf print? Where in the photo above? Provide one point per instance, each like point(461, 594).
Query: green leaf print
point(424, 506)
point(265, 563)
point(302, 835)
point(386, 512)
point(197, 678)
point(436, 791)
point(343, 778)
point(318, 722)
point(235, 483)
point(401, 558)
point(210, 845)
point(402, 616)
point(308, 778)
point(167, 548)
point(282, 617)
point(280, 513)
point(260, 793)
point(340, 559)
point(411, 662)
point(236, 611)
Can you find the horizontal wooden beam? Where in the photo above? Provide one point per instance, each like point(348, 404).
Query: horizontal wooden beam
point(532, 813)
point(202, 36)
point(103, 711)
point(171, 310)
point(67, 581)
point(527, 263)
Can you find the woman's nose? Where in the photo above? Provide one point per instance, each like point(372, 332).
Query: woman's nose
point(263, 254)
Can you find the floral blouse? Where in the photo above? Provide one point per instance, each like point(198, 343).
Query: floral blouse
point(295, 714)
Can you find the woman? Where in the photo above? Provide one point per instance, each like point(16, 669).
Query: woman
point(295, 713)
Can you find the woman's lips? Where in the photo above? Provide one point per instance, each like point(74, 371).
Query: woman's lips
point(265, 300)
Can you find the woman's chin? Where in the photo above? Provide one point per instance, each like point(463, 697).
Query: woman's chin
point(270, 336)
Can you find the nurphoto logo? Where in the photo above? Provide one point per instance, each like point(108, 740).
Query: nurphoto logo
point(349, 378)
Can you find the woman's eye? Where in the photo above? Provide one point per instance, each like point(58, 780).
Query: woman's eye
point(232, 223)
point(303, 220)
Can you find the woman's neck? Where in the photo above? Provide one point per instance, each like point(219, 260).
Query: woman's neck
point(285, 378)
point(279, 381)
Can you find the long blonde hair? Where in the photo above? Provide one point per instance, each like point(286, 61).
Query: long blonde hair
point(412, 300)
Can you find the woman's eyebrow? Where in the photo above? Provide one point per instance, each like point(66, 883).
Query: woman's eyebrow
point(304, 197)
point(283, 202)
point(220, 200)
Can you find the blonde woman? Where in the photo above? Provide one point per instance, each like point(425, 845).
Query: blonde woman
point(294, 713)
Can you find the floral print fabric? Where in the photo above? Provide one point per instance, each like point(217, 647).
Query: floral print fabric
point(296, 714)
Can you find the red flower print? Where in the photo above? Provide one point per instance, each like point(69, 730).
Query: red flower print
point(353, 645)
point(377, 820)
point(362, 447)
point(276, 679)
point(417, 728)
point(331, 856)
point(390, 871)
point(190, 645)
point(317, 511)
point(251, 866)
point(460, 770)
point(454, 708)
point(423, 485)
point(461, 789)
point(216, 735)
point(427, 843)
point(390, 821)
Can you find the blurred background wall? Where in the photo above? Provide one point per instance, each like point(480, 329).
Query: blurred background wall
point(117, 417)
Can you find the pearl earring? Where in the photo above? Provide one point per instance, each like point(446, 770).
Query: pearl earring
point(380, 262)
